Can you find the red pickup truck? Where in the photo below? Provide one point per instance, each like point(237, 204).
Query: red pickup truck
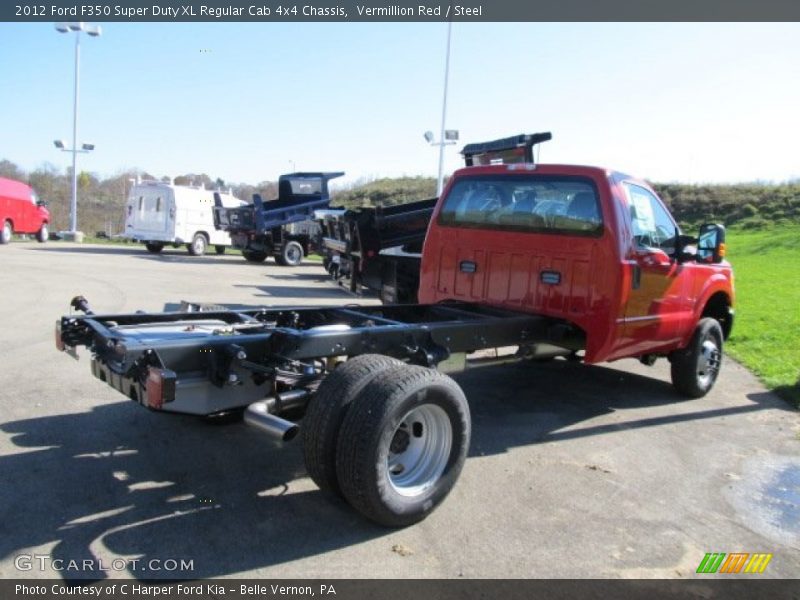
point(21, 211)
point(533, 261)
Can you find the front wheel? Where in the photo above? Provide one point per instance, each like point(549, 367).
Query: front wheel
point(402, 445)
point(290, 255)
point(43, 234)
point(198, 245)
point(6, 233)
point(696, 367)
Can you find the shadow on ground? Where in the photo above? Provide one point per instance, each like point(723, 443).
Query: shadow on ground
point(175, 255)
point(165, 486)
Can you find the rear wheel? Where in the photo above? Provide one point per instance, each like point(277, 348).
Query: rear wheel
point(219, 249)
point(696, 367)
point(291, 254)
point(43, 234)
point(402, 445)
point(254, 256)
point(327, 410)
point(198, 245)
point(154, 247)
point(6, 233)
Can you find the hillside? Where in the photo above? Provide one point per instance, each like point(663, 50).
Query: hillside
point(102, 201)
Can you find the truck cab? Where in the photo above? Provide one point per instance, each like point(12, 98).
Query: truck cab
point(589, 245)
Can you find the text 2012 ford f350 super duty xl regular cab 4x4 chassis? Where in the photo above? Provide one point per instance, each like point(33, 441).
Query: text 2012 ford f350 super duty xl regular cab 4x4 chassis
point(544, 259)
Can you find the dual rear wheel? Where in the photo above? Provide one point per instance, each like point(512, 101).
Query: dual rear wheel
point(390, 438)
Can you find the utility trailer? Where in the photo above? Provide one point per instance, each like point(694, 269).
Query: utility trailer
point(377, 248)
point(520, 261)
point(261, 229)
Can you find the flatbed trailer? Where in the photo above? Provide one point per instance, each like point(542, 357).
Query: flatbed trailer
point(265, 228)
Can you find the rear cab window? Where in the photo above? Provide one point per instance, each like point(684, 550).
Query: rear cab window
point(533, 204)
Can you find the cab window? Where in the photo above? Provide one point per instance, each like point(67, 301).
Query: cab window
point(652, 225)
point(531, 204)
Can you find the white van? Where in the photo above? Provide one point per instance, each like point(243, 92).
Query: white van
point(160, 213)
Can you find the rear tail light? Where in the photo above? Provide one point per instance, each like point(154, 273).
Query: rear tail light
point(159, 387)
point(722, 250)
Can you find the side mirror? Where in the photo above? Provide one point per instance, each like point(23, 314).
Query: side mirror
point(41, 203)
point(681, 242)
point(711, 243)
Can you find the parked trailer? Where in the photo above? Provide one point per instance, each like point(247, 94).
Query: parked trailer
point(268, 228)
point(528, 261)
point(159, 214)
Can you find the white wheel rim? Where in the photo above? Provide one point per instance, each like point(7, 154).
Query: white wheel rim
point(293, 254)
point(419, 450)
point(708, 362)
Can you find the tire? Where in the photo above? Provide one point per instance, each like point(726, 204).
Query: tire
point(402, 445)
point(291, 254)
point(254, 256)
point(219, 249)
point(199, 245)
point(154, 247)
point(6, 233)
point(696, 367)
point(327, 409)
point(43, 234)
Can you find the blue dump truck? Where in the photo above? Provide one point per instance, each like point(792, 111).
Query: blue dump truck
point(275, 227)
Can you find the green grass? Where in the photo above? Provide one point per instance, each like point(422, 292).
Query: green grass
point(766, 331)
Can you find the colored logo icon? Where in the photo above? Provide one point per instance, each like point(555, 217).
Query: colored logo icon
point(739, 562)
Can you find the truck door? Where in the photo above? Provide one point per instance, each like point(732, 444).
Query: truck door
point(151, 207)
point(657, 303)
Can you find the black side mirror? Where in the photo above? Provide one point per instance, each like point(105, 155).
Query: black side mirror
point(681, 241)
point(41, 203)
point(711, 243)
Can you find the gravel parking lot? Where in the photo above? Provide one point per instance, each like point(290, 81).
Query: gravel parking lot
point(573, 471)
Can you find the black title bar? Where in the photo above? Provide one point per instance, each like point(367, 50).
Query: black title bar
point(400, 10)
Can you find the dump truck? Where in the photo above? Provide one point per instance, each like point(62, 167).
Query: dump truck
point(270, 228)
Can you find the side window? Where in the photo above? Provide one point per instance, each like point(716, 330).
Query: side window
point(652, 225)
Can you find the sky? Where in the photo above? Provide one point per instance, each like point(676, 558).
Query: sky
point(692, 102)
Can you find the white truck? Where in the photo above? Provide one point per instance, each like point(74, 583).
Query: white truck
point(159, 213)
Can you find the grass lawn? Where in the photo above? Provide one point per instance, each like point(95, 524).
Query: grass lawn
point(766, 332)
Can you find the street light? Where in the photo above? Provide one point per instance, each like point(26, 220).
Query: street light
point(447, 136)
point(93, 31)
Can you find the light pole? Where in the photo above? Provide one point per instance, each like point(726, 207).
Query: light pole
point(94, 31)
point(449, 137)
point(446, 136)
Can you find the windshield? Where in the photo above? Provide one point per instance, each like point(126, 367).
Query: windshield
point(541, 204)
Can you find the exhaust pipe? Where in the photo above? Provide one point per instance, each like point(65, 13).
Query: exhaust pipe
point(257, 414)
